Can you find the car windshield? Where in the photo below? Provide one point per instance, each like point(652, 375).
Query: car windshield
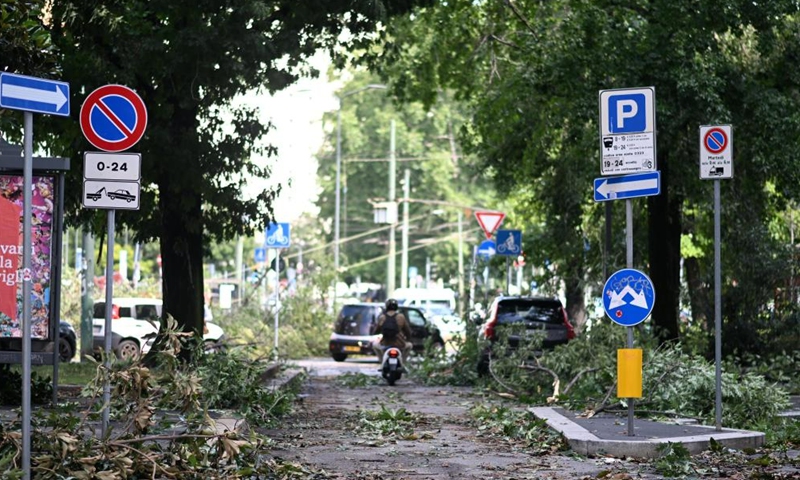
point(530, 310)
point(435, 309)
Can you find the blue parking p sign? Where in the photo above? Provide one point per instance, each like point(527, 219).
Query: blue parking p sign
point(627, 131)
point(627, 113)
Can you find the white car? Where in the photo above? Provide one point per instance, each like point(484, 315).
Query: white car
point(131, 320)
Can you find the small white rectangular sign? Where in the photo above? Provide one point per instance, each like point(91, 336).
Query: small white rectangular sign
point(110, 195)
point(716, 152)
point(112, 166)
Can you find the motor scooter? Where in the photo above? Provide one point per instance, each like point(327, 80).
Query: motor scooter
point(392, 364)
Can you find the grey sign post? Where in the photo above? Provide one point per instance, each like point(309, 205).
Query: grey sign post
point(628, 146)
point(30, 94)
point(716, 161)
point(278, 236)
point(110, 181)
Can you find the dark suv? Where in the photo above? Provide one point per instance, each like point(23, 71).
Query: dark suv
point(537, 314)
point(352, 333)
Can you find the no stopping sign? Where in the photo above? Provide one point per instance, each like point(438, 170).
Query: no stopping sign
point(113, 118)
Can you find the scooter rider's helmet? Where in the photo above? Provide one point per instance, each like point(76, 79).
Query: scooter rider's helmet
point(391, 304)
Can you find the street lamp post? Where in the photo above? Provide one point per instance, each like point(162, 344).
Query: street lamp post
point(341, 97)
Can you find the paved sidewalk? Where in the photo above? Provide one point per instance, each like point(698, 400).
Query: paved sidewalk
point(607, 434)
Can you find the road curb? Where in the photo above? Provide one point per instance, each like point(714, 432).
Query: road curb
point(647, 443)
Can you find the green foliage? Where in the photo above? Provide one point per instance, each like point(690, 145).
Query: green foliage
point(26, 48)
point(453, 365)
point(675, 460)
point(386, 423)
point(781, 368)
point(230, 380)
point(582, 375)
point(517, 426)
point(531, 79)
point(11, 387)
point(783, 434)
point(305, 323)
point(685, 384)
point(181, 444)
point(440, 186)
point(357, 380)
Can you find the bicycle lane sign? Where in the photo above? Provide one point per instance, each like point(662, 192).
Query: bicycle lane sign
point(278, 235)
point(509, 242)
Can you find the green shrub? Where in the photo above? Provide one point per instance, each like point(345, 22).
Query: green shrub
point(686, 384)
point(304, 326)
point(11, 387)
point(230, 380)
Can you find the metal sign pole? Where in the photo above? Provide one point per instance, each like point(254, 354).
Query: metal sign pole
point(629, 263)
point(278, 293)
point(27, 200)
point(508, 275)
point(717, 308)
point(109, 308)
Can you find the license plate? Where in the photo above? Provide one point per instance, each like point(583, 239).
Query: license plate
point(392, 361)
point(349, 348)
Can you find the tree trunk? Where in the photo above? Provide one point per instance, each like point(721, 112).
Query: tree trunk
point(180, 205)
point(664, 241)
point(182, 260)
point(698, 293)
point(575, 296)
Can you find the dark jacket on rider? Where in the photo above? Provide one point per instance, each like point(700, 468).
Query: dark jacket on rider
point(403, 338)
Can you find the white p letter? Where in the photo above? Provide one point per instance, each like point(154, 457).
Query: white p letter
point(623, 113)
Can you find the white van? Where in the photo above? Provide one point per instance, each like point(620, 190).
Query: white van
point(133, 319)
point(426, 297)
point(439, 305)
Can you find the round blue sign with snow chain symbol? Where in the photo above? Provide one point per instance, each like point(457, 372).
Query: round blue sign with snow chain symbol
point(628, 297)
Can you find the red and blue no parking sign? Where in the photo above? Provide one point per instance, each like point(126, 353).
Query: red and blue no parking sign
point(716, 140)
point(113, 118)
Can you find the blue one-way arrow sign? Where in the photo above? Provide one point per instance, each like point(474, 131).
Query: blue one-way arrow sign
point(627, 186)
point(31, 94)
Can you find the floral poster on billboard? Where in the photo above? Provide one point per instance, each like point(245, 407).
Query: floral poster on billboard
point(11, 224)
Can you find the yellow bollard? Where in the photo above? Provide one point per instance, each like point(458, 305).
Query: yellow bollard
point(629, 373)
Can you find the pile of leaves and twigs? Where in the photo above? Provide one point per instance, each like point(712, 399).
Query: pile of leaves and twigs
point(162, 422)
point(389, 424)
point(582, 376)
point(675, 461)
point(358, 380)
point(517, 427)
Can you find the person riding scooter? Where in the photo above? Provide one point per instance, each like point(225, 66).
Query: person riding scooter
point(395, 329)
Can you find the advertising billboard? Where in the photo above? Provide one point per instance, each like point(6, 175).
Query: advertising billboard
point(11, 248)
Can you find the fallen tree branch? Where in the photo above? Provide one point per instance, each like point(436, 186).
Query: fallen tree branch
point(497, 379)
point(577, 376)
point(556, 380)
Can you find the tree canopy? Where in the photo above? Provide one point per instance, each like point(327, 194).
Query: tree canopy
point(188, 61)
point(442, 180)
point(532, 72)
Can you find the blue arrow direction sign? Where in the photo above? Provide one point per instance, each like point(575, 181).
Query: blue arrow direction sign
point(628, 297)
point(627, 186)
point(487, 249)
point(31, 94)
